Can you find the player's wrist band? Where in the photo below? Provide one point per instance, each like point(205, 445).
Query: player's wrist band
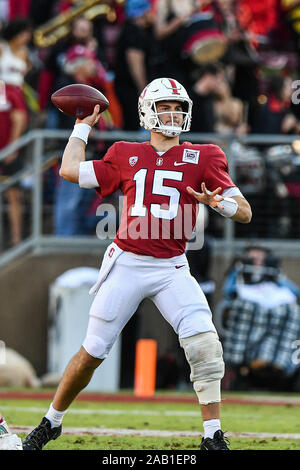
point(81, 131)
point(230, 207)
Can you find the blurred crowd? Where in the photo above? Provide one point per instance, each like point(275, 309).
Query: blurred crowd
point(238, 59)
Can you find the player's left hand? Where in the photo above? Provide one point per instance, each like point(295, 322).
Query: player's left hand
point(210, 198)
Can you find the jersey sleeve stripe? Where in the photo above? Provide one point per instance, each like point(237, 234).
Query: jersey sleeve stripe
point(87, 176)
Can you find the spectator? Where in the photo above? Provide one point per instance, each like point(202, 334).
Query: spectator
point(240, 51)
point(136, 54)
point(81, 33)
point(14, 56)
point(258, 256)
point(72, 202)
point(13, 121)
point(188, 34)
point(229, 110)
point(259, 19)
point(272, 113)
point(14, 65)
point(202, 94)
point(81, 63)
point(263, 321)
point(171, 17)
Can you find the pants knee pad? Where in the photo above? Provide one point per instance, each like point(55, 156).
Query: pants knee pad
point(204, 354)
point(95, 346)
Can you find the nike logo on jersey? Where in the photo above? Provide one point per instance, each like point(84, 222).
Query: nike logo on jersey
point(181, 266)
point(179, 163)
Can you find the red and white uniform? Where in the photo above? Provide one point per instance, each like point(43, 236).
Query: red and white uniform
point(156, 268)
point(155, 188)
point(11, 100)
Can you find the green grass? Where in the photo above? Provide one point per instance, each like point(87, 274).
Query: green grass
point(155, 443)
point(235, 418)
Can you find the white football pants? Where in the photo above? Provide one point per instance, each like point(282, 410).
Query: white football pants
point(132, 278)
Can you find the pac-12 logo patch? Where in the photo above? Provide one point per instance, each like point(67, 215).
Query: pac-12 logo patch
point(191, 156)
point(159, 161)
point(133, 160)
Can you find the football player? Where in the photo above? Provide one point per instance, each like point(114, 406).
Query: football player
point(162, 180)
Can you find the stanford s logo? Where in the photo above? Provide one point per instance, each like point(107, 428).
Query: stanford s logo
point(133, 160)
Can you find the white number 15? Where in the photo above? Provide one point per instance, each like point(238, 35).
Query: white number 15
point(139, 210)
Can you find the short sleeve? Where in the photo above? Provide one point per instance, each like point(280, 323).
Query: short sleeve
point(216, 170)
point(135, 38)
point(103, 175)
point(107, 172)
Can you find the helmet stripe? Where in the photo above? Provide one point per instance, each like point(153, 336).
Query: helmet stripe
point(174, 87)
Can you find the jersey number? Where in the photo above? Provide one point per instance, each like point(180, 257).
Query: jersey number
point(158, 187)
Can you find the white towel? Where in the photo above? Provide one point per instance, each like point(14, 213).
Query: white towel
point(10, 442)
point(110, 256)
point(266, 294)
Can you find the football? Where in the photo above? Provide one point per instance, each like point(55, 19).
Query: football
point(79, 100)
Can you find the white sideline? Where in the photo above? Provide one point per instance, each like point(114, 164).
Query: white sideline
point(110, 411)
point(155, 433)
point(114, 411)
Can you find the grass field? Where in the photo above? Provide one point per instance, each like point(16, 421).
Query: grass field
point(158, 426)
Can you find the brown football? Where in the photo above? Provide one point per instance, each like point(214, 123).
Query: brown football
point(79, 100)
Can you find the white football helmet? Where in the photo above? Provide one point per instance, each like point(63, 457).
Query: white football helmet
point(164, 89)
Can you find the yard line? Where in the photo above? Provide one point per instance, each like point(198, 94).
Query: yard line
point(116, 412)
point(106, 411)
point(154, 433)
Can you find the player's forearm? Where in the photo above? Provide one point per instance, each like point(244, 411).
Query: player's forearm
point(243, 213)
point(74, 154)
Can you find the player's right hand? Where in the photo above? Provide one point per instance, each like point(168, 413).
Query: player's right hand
point(92, 119)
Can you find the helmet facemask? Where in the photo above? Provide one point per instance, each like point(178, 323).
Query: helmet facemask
point(156, 92)
point(173, 129)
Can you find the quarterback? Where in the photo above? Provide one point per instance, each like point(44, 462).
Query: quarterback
point(159, 180)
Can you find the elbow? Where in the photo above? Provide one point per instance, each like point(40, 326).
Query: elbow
point(63, 174)
point(67, 175)
point(243, 217)
point(247, 217)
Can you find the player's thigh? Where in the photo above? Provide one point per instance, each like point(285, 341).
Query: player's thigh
point(116, 301)
point(184, 306)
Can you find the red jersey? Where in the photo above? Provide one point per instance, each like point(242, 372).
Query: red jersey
point(15, 102)
point(159, 214)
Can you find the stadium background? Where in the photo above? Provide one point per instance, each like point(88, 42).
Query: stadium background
point(242, 101)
